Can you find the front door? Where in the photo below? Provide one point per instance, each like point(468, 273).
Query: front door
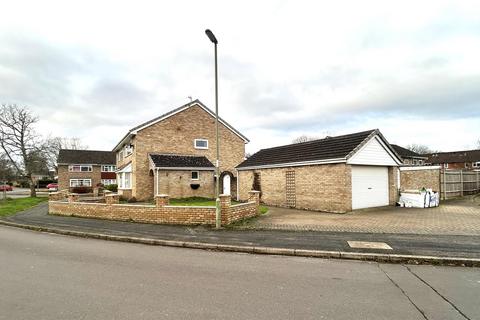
point(226, 184)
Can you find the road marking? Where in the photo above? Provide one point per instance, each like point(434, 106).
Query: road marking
point(369, 245)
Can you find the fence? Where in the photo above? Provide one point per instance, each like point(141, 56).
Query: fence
point(458, 183)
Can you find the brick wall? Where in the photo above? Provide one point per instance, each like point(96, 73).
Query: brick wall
point(159, 213)
point(392, 185)
point(176, 135)
point(318, 187)
point(177, 184)
point(417, 179)
point(64, 176)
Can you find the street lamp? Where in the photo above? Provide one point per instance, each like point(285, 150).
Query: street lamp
point(218, 219)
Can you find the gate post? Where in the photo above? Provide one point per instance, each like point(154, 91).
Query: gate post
point(461, 182)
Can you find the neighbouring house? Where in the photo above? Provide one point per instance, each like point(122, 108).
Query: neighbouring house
point(335, 174)
point(410, 157)
point(85, 168)
point(458, 160)
point(175, 154)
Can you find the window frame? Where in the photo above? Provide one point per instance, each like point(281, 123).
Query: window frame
point(198, 175)
point(112, 181)
point(82, 185)
point(197, 147)
point(88, 166)
point(112, 167)
point(476, 164)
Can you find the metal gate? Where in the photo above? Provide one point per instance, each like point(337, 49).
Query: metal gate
point(290, 189)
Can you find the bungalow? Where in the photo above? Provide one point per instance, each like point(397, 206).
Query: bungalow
point(85, 168)
point(335, 174)
point(175, 154)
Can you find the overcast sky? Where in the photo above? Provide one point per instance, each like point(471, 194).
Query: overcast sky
point(94, 69)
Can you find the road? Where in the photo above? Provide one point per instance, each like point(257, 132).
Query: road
point(46, 276)
point(22, 193)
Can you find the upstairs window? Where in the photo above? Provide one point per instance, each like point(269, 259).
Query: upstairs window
point(476, 164)
point(200, 144)
point(109, 168)
point(195, 175)
point(80, 168)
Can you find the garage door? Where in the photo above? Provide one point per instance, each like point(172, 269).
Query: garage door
point(369, 186)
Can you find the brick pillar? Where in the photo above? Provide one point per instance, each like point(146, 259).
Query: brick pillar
point(254, 196)
point(73, 197)
point(225, 211)
point(112, 198)
point(96, 191)
point(162, 200)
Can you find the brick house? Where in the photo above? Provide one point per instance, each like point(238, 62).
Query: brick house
point(175, 153)
point(85, 168)
point(458, 160)
point(410, 157)
point(335, 174)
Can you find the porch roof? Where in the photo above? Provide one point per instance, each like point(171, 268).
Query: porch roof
point(170, 161)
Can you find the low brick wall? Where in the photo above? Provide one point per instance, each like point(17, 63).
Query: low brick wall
point(415, 178)
point(161, 213)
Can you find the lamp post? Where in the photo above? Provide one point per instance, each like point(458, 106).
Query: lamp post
point(218, 218)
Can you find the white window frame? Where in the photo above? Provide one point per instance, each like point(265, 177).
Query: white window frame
point(445, 165)
point(88, 166)
point(476, 164)
point(122, 180)
point(109, 168)
point(128, 150)
point(198, 175)
point(89, 184)
point(197, 147)
point(107, 182)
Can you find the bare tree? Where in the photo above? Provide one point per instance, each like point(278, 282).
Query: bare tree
point(304, 138)
point(420, 148)
point(21, 145)
point(478, 144)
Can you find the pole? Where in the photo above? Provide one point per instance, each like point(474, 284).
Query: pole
point(218, 218)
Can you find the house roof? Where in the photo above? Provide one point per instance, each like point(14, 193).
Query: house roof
point(331, 148)
point(180, 161)
point(196, 102)
point(454, 156)
point(67, 156)
point(406, 153)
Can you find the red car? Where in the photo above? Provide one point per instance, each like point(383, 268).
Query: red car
point(5, 187)
point(52, 186)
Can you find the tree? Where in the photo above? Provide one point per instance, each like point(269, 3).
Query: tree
point(304, 138)
point(420, 148)
point(19, 142)
point(478, 144)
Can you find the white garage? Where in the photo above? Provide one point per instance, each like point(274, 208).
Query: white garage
point(369, 187)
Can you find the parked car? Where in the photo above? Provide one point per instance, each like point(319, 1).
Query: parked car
point(5, 187)
point(52, 186)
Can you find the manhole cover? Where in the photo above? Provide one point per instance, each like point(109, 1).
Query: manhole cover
point(369, 245)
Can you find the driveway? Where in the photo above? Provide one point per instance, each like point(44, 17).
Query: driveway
point(453, 217)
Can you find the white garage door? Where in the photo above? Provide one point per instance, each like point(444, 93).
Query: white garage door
point(369, 186)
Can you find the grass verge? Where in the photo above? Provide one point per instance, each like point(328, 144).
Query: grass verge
point(12, 206)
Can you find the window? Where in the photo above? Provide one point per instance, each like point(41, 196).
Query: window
point(128, 150)
point(80, 183)
point(124, 180)
point(80, 168)
point(200, 144)
point(120, 155)
point(476, 164)
point(445, 165)
point(109, 168)
point(195, 175)
point(420, 162)
point(107, 182)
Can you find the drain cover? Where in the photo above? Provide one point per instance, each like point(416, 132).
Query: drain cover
point(369, 245)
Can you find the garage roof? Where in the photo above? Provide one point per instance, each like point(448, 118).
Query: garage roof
point(329, 149)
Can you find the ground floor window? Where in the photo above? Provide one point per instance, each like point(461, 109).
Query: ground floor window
point(80, 183)
point(125, 180)
point(195, 175)
point(107, 182)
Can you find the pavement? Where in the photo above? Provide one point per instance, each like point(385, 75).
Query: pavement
point(452, 217)
point(49, 276)
point(260, 241)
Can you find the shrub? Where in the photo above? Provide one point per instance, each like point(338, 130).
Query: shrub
point(81, 189)
point(132, 200)
point(112, 187)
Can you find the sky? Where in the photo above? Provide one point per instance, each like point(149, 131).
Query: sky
point(94, 69)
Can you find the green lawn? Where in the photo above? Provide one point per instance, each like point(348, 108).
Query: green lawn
point(11, 206)
point(195, 201)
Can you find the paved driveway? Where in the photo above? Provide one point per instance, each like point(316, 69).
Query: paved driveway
point(453, 217)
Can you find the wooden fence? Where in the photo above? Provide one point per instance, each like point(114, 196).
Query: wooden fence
point(458, 183)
